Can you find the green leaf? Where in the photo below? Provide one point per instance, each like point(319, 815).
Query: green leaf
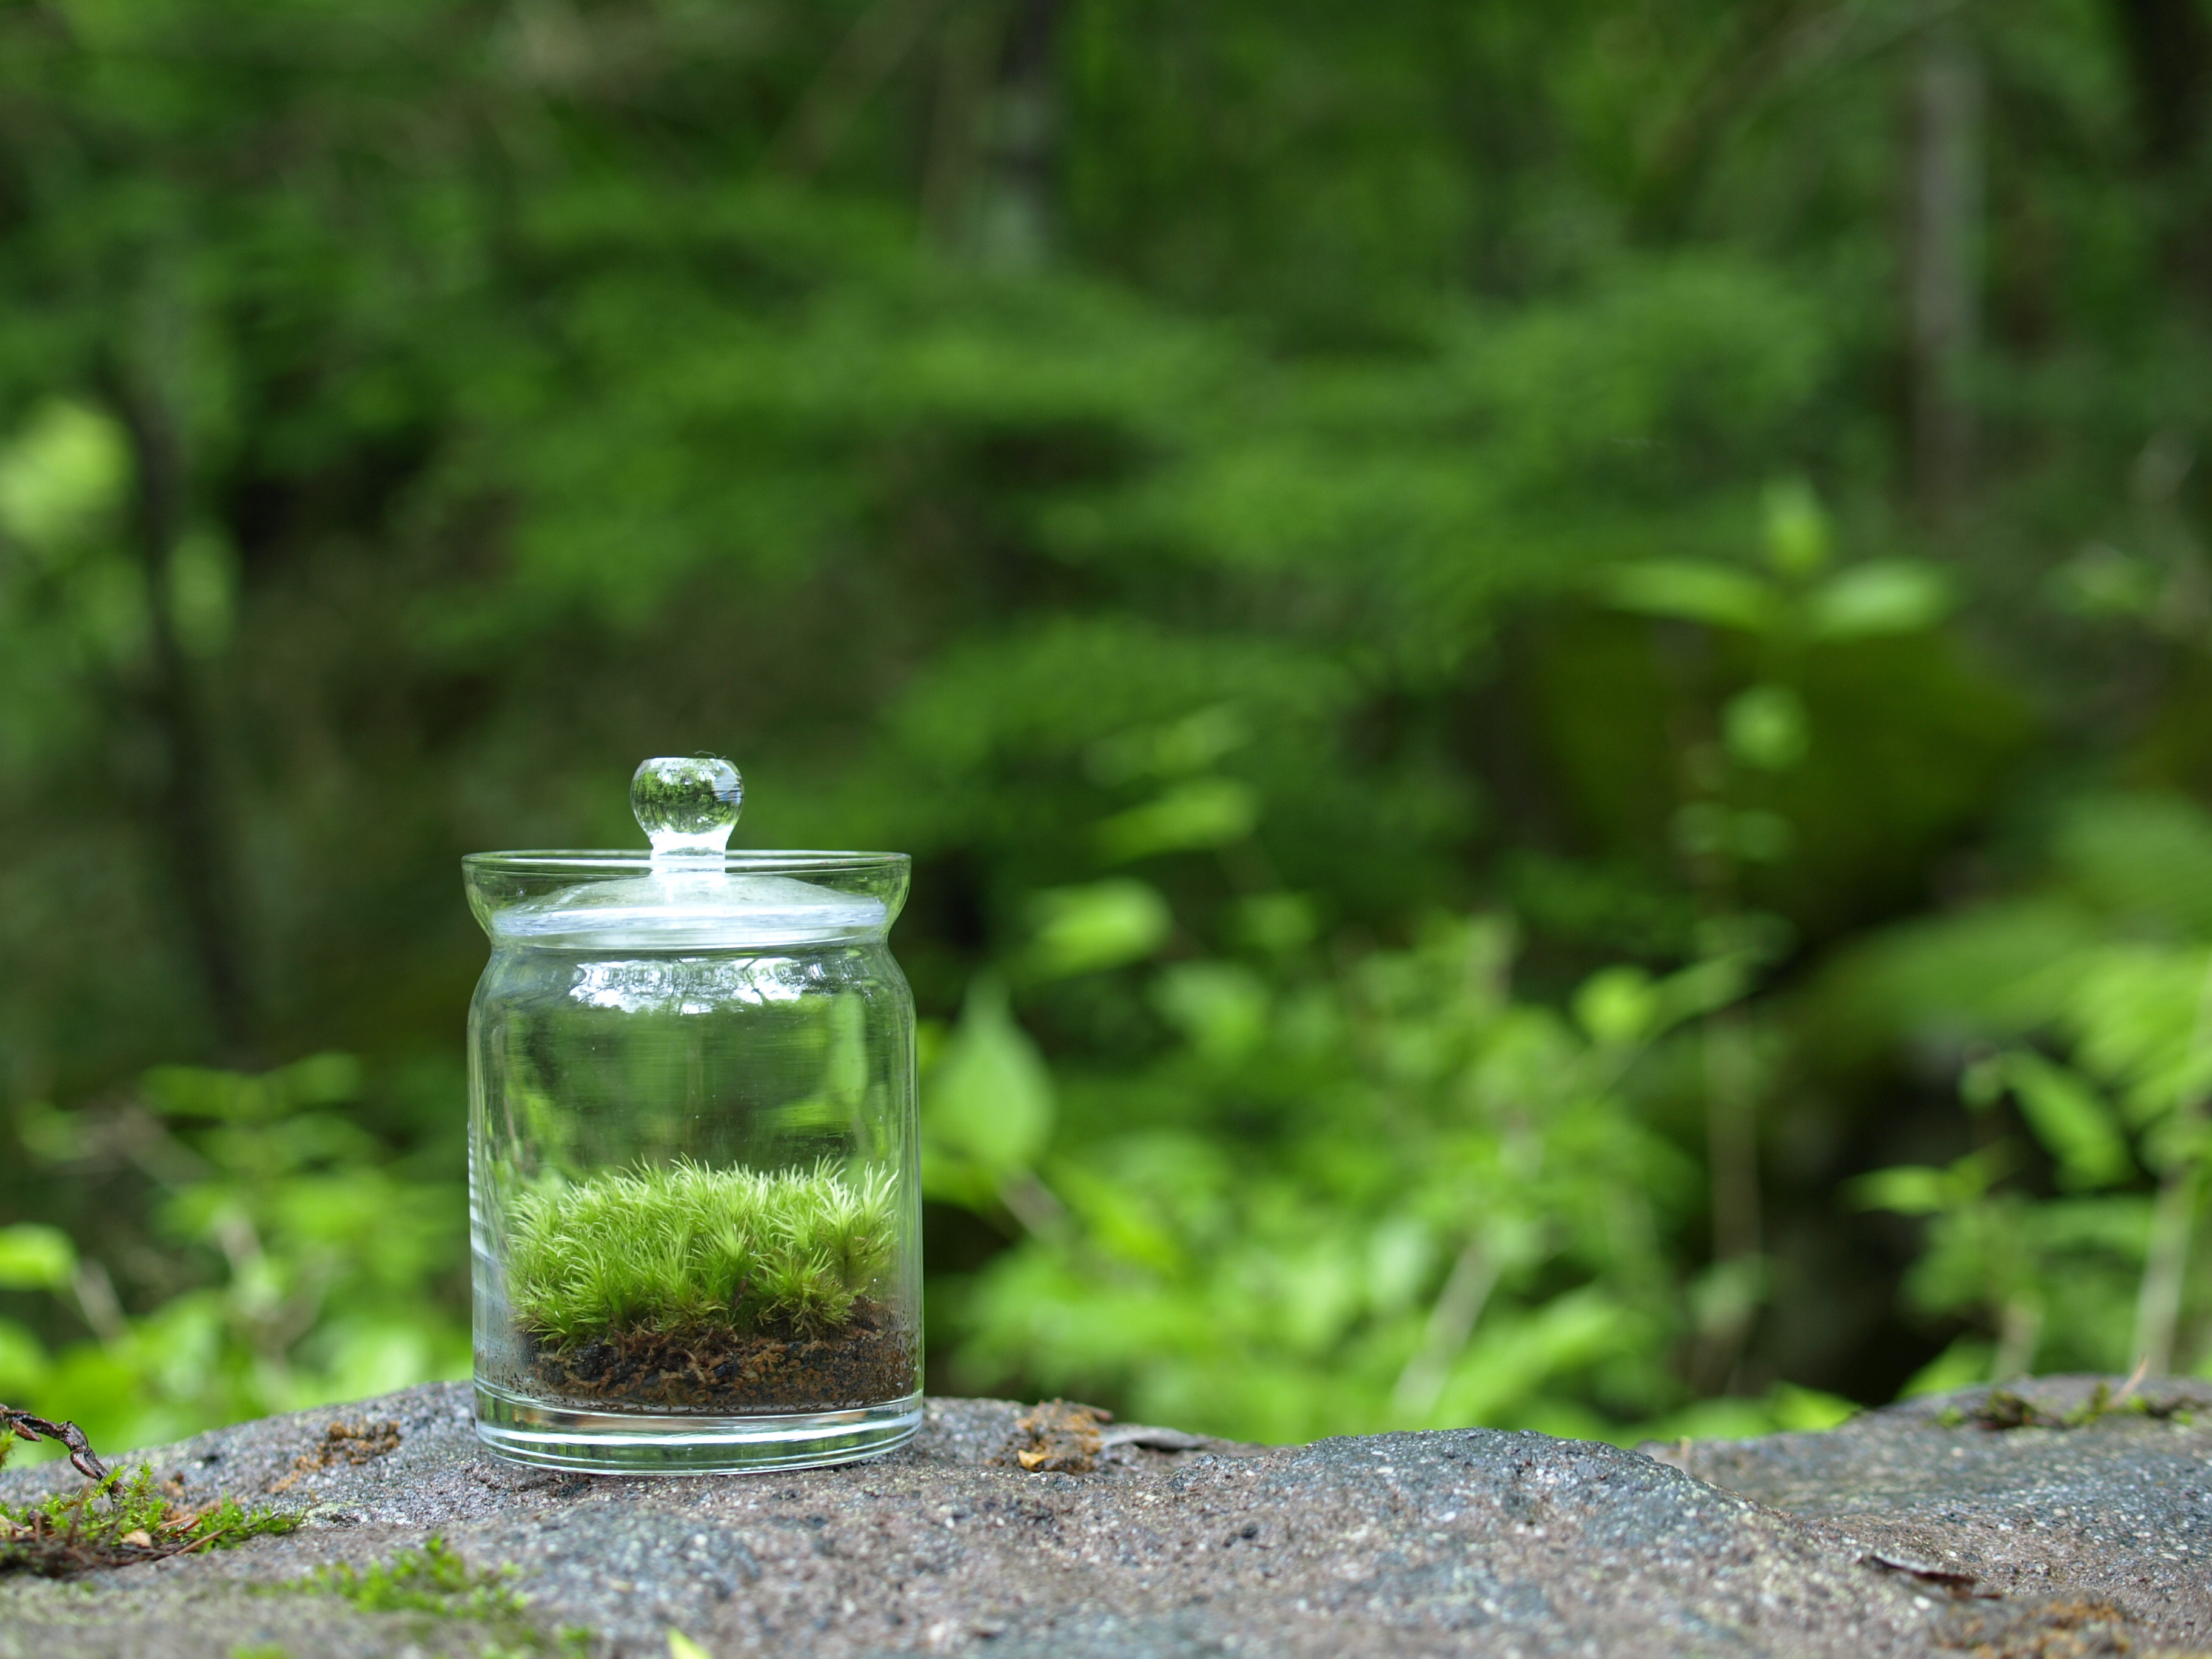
point(681, 1646)
point(1891, 596)
point(1982, 1084)
point(204, 1091)
point(1967, 1360)
point(1515, 1359)
point(1916, 1189)
point(1118, 1221)
point(2102, 581)
point(64, 473)
point(1766, 727)
point(2071, 1121)
point(1178, 748)
point(1220, 1006)
point(23, 1362)
point(1203, 813)
point(1908, 1189)
point(2146, 855)
point(35, 1258)
point(1617, 1006)
point(1707, 828)
point(1802, 1410)
point(1106, 924)
point(1274, 922)
point(1717, 594)
point(989, 1101)
point(1701, 988)
point(1797, 532)
point(202, 581)
point(326, 1080)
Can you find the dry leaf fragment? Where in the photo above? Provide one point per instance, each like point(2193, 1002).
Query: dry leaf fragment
point(1063, 1437)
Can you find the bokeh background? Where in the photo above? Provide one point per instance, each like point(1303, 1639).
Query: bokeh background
point(1549, 667)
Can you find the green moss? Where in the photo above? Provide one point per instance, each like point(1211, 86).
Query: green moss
point(116, 1520)
point(683, 1250)
point(436, 1580)
point(2003, 1408)
point(433, 1579)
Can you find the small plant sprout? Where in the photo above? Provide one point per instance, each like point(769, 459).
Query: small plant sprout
point(686, 1252)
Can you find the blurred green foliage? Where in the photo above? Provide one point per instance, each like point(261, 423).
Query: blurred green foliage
point(2102, 1262)
point(1550, 692)
point(292, 1255)
point(1421, 1130)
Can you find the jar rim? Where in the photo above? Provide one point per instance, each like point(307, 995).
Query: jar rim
point(631, 899)
point(589, 861)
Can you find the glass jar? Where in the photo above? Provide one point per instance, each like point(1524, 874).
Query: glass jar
point(693, 1179)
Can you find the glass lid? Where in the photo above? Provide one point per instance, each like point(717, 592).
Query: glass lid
point(689, 891)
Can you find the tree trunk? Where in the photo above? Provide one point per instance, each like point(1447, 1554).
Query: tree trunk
point(1942, 275)
point(2169, 51)
point(870, 53)
point(184, 807)
point(992, 194)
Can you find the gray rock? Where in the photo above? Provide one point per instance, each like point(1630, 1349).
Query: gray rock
point(1461, 1541)
point(2117, 1506)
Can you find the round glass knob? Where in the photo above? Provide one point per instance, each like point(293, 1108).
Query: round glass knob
point(687, 805)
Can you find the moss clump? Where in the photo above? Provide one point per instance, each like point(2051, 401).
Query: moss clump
point(2002, 1408)
point(686, 1252)
point(436, 1580)
point(118, 1523)
point(433, 1579)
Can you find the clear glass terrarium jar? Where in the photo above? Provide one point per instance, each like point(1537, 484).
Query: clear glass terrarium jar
point(692, 1166)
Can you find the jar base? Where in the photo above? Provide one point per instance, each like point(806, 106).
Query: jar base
point(648, 1442)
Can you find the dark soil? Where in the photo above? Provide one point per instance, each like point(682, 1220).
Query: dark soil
point(864, 1362)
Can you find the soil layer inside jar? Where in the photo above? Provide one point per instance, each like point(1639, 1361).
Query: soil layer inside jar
point(865, 1361)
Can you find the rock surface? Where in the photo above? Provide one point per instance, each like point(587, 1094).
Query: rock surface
point(1924, 1529)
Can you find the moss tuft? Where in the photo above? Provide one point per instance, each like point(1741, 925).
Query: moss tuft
point(685, 1250)
point(433, 1579)
point(118, 1523)
point(436, 1582)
